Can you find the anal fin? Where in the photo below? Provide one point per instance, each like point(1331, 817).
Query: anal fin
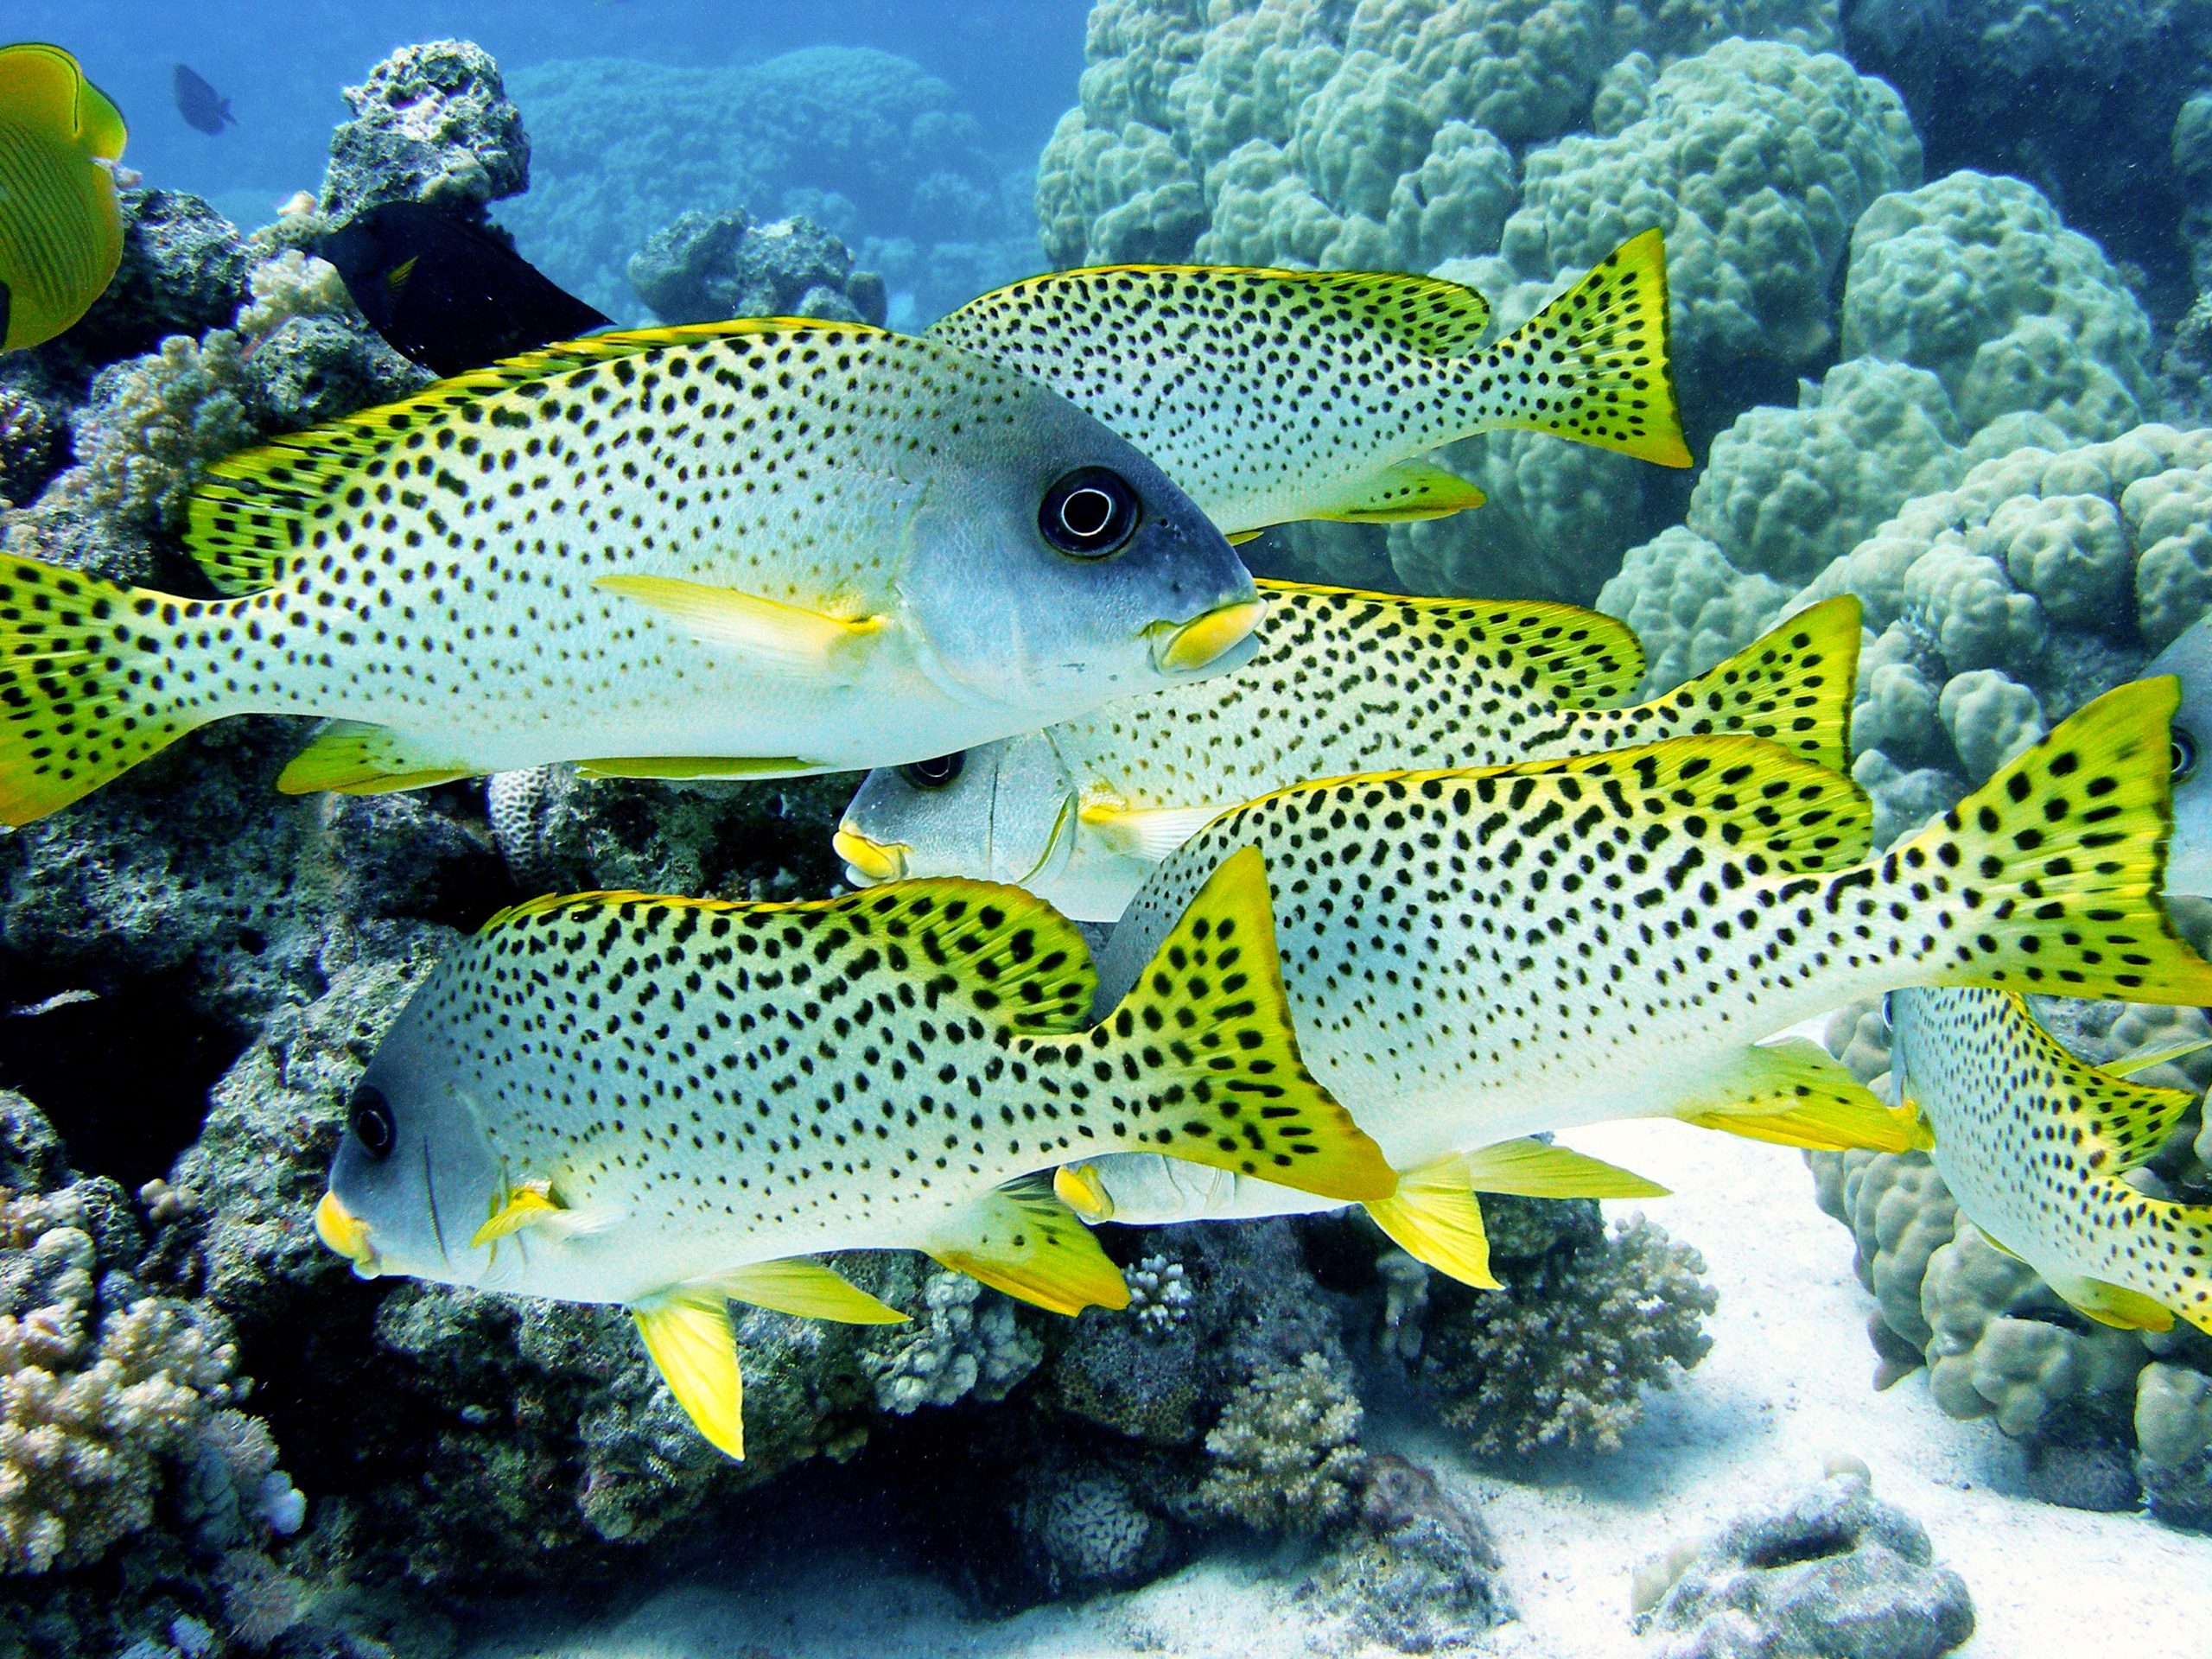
point(1022, 1239)
point(1796, 1094)
point(2116, 1306)
point(799, 1286)
point(687, 1331)
point(1403, 493)
point(350, 757)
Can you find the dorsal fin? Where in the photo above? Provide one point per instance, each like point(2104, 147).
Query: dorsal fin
point(251, 511)
point(1574, 658)
point(1428, 315)
point(1014, 955)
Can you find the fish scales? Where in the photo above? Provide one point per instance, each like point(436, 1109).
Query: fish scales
point(1344, 682)
point(759, 544)
point(2033, 1144)
point(1274, 396)
point(1473, 956)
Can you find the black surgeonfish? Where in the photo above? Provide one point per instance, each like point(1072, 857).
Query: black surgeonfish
point(450, 293)
point(61, 226)
point(200, 104)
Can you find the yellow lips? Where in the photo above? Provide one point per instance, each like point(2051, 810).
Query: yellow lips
point(346, 1234)
point(1082, 1191)
point(1204, 638)
point(872, 861)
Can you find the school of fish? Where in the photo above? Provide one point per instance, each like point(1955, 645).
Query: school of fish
point(1401, 886)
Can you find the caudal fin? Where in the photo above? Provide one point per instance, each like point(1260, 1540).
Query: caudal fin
point(1592, 364)
point(1200, 1061)
point(87, 687)
point(2049, 877)
point(1792, 686)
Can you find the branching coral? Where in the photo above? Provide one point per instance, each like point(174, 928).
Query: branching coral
point(1562, 1356)
point(1286, 1456)
point(964, 1340)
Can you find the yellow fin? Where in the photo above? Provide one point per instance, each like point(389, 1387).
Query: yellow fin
point(42, 87)
point(2061, 862)
point(1435, 1217)
point(2143, 1059)
point(350, 756)
point(63, 235)
point(1578, 658)
point(75, 708)
point(1148, 833)
point(1403, 493)
point(696, 766)
point(1200, 1060)
point(1796, 1094)
point(805, 1288)
point(1602, 346)
point(1022, 1239)
point(526, 1205)
point(784, 635)
point(687, 1333)
point(1533, 1169)
point(250, 511)
point(1999, 1244)
point(2116, 1306)
point(1794, 686)
point(1238, 538)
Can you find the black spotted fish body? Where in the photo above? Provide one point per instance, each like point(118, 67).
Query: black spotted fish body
point(2034, 1144)
point(1475, 956)
point(621, 1098)
point(738, 549)
point(1274, 396)
point(1082, 813)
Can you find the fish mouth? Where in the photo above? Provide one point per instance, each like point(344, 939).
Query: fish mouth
point(346, 1234)
point(869, 860)
point(1184, 648)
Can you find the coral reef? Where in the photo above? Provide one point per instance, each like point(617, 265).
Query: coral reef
point(1414, 1572)
point(1833, 1574)
point(1285, 1456)
point(432, 124)
point(964, 1340)
point(708, 266)
point(1562, 1357)
point(864, 143)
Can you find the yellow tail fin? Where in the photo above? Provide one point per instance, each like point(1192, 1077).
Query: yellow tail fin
point(88, 687)
point(1793, 686)
point(1592, 364)
point(2049, 877)
point(1199, 1061)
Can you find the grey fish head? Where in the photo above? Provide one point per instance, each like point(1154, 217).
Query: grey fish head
point(416, 1173)
point(1052, 567)
point(2189, 854)
point(1001, 812)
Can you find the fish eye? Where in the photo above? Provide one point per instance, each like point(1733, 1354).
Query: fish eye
point(935, 774)
point(2184, 755)
point(1090, 513)
point(369, 1118)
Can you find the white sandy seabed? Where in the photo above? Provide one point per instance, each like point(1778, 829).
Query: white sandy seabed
point(1787, 1385)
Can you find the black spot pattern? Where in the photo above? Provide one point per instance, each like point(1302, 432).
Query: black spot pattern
point(2032, 1143)
point(1272, 396)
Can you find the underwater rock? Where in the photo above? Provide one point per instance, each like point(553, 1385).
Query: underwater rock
point(964, 1340)
point(2173, 1443)
point(1562, 1356)
point(31, 445)
point(1834, 1573)
point(432, 123)
point(1415, 1573)
point(706, 267)
point(183, 272)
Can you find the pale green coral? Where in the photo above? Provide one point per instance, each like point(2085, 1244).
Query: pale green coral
point(1286, 1455)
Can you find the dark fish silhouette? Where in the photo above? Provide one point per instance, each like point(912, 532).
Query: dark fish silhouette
point(201, 104)
point(450, 293)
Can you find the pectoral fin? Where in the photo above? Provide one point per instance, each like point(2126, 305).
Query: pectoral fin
point(531, 1204)
point(806, 1288)
point(687, 1333)
point(783, 636)
point(1148, 833)
point(1022, 1239)
point(1435, 1217)
point(2144, 1059)
point(1796, 1094)
point(350, 756)
point(1407, 491)
point(1531, 1169)
point(2116, 1306)
point(696, 766)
